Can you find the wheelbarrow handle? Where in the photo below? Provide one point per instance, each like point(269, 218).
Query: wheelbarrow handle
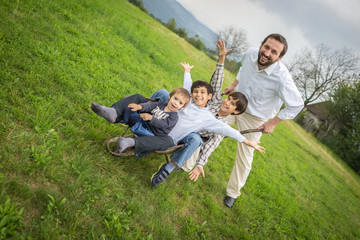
point(251, 131)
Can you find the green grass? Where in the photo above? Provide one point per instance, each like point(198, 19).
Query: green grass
point(58, 182)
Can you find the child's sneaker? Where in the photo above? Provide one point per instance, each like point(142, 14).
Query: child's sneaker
point(160, 176)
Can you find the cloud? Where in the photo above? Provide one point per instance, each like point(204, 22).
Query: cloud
point(333, 23)
point(249, 15)
point(304, 22)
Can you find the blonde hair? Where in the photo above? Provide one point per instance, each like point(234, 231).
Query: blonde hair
point(182, 92)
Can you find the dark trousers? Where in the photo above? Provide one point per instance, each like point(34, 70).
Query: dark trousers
point(123, 103)
point(148, 144)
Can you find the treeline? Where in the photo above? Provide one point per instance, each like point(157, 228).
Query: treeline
point(181, 32)
point(231, 65)
point(345, 110)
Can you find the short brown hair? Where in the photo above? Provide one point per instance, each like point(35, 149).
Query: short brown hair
point(200, 83)
point(242, 102)
point(182, 92)
point(280, 38)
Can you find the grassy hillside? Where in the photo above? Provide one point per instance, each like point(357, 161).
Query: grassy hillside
point(58, 182)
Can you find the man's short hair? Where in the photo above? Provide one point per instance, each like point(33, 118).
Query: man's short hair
point(182, 92)
point(241, 103)
point(200, 83)
point(280, 38)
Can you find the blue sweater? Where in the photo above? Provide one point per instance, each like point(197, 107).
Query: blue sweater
point(162, 122)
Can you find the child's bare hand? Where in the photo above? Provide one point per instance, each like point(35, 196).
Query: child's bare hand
point(134, 107)
point(194, 174)
point(222, 48)
point(186, 66)
point(146, 116)
point(255, 145)
point(260, 149)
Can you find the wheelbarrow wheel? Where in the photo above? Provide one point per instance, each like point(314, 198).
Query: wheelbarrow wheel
point(112, 147)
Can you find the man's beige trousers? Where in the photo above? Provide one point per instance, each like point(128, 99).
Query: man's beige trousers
point(244, 153)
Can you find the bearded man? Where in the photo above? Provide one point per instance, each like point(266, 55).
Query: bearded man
point(267, 84)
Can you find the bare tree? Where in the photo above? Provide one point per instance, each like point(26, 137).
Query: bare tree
point(235, 38)
point(318, 71)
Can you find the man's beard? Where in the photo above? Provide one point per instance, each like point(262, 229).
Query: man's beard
point(265, 64)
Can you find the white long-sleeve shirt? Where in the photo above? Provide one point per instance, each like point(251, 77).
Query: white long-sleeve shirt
point(195, 119)
point(267, 89)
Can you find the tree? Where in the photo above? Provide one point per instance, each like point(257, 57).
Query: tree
point(139, 4)
point(345, 109)
point(236, 39)
point(317, 72)
point(182, 32)
point(171, 24)
point(196, 42)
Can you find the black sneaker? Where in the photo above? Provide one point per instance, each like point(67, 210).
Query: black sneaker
point(160, 176)
point(229, 201)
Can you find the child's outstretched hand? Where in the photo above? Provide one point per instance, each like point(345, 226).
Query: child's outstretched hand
point(255, 145)
point(186, 66)
point(146, 116)
point(134, 107)
point(194, 174)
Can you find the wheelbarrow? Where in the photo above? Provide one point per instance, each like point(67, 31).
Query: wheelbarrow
point(112, 148)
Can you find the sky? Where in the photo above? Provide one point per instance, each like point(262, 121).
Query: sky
point(304, 23)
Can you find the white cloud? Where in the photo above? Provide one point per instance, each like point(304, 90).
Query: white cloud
point(345, 9)
point(251, 16)
point(303, 22)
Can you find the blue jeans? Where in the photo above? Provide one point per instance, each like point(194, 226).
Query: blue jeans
point(137, 125)
point(162, 95)
point(141, 128)
point(192, 141)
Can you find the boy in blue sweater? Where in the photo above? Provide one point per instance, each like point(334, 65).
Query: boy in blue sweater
point(146, 118)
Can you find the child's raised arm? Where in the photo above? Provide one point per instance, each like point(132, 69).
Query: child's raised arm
point(222, 51)
point(187, 76)
point(187, 68)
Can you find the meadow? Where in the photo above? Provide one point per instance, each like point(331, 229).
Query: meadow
point(57, 181)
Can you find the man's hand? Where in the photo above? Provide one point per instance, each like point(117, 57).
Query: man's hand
point(146, 116)
point(134, 107)
point(255, 145)
point(194, 174)
point(270, 125)
point(186, 66)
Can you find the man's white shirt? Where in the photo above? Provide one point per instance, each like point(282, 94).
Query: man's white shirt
point(267, 89)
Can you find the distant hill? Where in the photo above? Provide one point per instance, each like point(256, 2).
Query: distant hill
point(167, 9)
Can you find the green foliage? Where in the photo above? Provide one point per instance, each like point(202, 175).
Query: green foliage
point(196, 42)
point(11, 219)
point(345, 109)
point(232, 65)
point(182, 33)
point(171, 24)
point(54, 207)
point(195, 230)
point(117, 222)
point(139, 4)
